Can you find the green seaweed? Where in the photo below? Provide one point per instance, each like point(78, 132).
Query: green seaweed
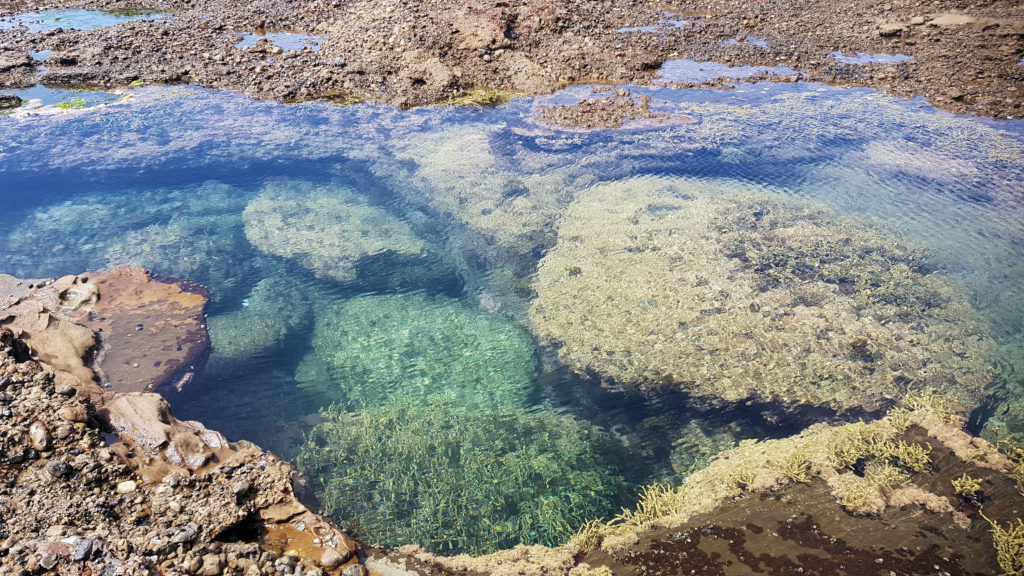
point(455, 482)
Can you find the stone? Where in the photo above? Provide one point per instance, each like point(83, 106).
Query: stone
point(73, 413)
point(331, 559)
point(9, 101)
point(890, 29)
point(40, 436)
point(211, 565)
point(126, 487)
point(917, 20)
point(59, 469)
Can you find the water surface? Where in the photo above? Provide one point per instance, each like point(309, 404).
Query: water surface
point(373, 269)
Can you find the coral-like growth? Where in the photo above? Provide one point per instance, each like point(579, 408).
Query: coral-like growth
point(327, 229)
point(453, 482)
point(730, 293)
point(966, 486)
point(414, 346)
point(1009, 545)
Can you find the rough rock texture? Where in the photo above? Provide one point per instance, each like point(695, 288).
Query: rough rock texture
point(965, 55)
point(166, 497)
point(137, 333)
point(732, 295)
point(327, 229)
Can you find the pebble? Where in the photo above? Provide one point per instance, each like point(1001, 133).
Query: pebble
point(917, 20)
point(126, 487)
point(355, 570)
point(211, 566)
point(40, 436)
point(59, 469)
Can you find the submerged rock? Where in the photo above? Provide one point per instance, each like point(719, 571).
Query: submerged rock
point(275, 309)
point(731, 295)
point(327, 229)
point(135, 332)
point(415, 346)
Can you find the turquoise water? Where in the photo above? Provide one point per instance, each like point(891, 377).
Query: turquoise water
point(372, 269)
point(75, 19)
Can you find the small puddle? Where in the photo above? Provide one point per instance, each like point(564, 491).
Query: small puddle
point(287, 41)
point(76, 19)
point(862, 58)
point(40, 55)
point(42, 100)
point(693, 71)
point(666, 24)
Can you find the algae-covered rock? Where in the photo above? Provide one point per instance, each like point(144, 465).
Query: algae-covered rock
point(275, 309)
point(326, 229)
point(456, 482)
point(415, 346)
point(730, 293)
point(457, 172)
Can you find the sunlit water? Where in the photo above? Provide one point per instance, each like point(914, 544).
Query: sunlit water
point(77, 19)
point(384, 262)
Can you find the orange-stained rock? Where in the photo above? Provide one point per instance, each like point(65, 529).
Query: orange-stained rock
point(135, 332)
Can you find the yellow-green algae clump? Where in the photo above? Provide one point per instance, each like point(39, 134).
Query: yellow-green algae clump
point(325, 228)
point(414, 346)
point(729, 292)
point(451, 480)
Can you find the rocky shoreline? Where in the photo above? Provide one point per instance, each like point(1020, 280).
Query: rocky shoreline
point(963, 58)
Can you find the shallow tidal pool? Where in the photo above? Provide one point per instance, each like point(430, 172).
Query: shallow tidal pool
point(470, 329)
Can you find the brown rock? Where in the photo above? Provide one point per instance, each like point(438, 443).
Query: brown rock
point(73, 413)
point(890, 29)
point(331, 559)
point(211, 566)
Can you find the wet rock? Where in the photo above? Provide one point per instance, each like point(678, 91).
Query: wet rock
point(9, 101)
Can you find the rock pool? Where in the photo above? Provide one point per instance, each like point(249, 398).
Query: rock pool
point(480, 295)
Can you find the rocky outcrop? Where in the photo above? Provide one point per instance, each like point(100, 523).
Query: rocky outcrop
point(104, 482)
point(121, 328)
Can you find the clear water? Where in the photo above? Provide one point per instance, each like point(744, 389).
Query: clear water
point(381, 265)
point(862, 58)
point(287, 41)
point(75, 19)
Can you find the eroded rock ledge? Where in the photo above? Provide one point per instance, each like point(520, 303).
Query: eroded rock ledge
point(106, 481)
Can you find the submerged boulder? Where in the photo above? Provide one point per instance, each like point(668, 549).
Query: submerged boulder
point(327, 229)
point(275, 309)
point(417, 346)
point(732, 294)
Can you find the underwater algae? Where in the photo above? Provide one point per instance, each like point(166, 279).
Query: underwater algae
point(729, 293)
point(416, 346)
point(449, 480)
point(326, 229)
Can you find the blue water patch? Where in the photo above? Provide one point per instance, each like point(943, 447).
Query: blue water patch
point(753, 40)
point(39, 96)
point(666, 24)
point(75, 19)
point(40, 55)
point(287, 41)
point(686, 70)
point(862, 58)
